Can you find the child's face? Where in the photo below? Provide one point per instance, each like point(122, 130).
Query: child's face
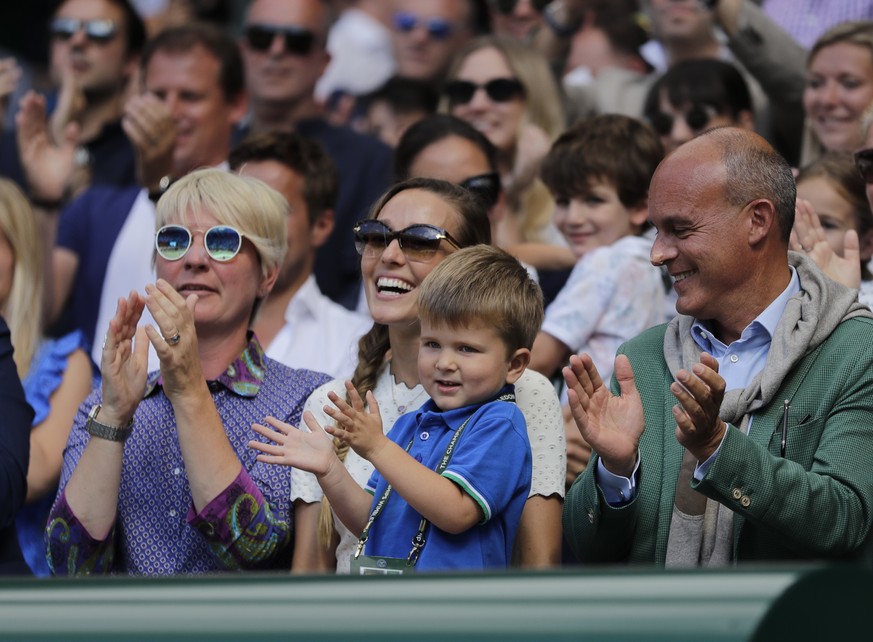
point(463, 366)
point(834, 211)
point(596, 219)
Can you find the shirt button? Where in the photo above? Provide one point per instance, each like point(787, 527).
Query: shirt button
point(177, 471)
point(736, 493)
point(734, 358)
point(591, 516)
point(172, 512)
point(745, 501)
point(425, 435)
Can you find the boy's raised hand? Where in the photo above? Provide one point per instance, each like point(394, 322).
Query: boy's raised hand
point(311, 451)
point(359, 427)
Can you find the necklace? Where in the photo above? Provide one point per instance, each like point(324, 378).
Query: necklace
point(401, 408)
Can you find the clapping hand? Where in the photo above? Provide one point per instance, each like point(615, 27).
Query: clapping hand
point(360, 428)
point(612, 425)
point(311, 450)
point(699, 428)
point(808, 236)
point(149, 125)
point(124, 362)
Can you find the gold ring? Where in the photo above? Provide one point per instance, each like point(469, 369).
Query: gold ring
point(174, 339)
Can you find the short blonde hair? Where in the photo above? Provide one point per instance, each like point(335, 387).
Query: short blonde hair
point(246, 203)
point(484, 284)
point(24, 308)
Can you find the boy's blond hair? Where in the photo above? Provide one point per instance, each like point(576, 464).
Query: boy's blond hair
point(484, 285)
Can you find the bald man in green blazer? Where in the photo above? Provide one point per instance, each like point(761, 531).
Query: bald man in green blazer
point(743, 429)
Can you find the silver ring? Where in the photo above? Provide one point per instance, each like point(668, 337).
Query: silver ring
point(174, 339)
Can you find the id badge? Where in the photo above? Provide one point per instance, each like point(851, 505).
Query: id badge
point(376, 565)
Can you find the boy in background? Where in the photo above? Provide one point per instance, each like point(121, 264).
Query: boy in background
point(598, 173)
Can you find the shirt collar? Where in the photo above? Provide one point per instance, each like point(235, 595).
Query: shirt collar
point(454, 418)
point(766, 321)
point(304, 302)
point(243, 376)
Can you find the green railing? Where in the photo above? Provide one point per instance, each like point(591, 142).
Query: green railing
point(770, 603)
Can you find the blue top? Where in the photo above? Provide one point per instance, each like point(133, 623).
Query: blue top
point(43, 378)
point(491, 463)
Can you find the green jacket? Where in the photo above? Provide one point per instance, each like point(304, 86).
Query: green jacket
point(815, 503)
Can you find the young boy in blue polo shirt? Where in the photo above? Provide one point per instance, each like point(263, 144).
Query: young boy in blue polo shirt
point(459, 468)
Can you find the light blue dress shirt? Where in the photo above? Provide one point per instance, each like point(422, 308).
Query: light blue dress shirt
point(738, 363)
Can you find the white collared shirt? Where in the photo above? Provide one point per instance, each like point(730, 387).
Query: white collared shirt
point(319, 334)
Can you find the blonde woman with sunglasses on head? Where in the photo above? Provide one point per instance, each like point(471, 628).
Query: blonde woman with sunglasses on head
point(157, 478)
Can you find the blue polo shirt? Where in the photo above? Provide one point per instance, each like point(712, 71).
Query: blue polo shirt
point(491, 463)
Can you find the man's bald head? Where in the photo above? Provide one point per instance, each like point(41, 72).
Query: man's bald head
point(752, 170)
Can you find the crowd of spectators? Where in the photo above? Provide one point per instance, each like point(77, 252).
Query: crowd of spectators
point(212, 212)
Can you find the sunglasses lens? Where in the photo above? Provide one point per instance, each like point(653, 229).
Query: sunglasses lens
point(662, 123)
point(420, 242)
point(503, 89)
point(222, 242)
point(299, 41)
point(63, 28)
point(100, 30)
point(697, 118)
point(260, 38)
point(405, 22)
point(172, 241)
point(371, 237)
point(439, 29)
point(459, 92)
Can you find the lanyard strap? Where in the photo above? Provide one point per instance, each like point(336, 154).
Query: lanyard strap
point(419, 540)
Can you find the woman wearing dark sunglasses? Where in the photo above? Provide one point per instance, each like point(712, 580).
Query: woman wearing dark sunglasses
point(505, 89)
point(164, 484)
point(415, 225)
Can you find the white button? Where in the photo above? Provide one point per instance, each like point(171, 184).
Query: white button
point(425, 436)
point(734, 358)
point(177, 471)
point(703, 335)
point(172, 512)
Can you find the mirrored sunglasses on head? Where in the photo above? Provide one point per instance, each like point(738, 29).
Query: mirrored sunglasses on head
point(864, 163)
point(485, 186)
point(296, 40)
point(98, 31)
point(437, 28)
point(500, 90)
point(418, 242)
point(222, 242)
